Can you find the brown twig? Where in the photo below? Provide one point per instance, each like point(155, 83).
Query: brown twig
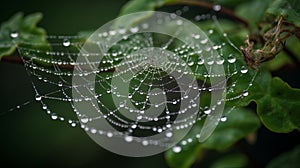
point(273, 41)
point(18, 60)
point(208, 5)
point(12, 59)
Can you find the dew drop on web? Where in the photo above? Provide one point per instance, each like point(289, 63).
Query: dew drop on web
point(66, 43)
point(14, 34)
point(176, 149)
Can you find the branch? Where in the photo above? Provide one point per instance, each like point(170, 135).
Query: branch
point(208, 5)
point(18, 60)
point(12, 59)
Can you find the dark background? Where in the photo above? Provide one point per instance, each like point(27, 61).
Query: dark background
point(29, 138)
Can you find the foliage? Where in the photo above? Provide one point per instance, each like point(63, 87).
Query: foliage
point(27, 33)
point(288, 159)
point(241, 123)
point(277, 103)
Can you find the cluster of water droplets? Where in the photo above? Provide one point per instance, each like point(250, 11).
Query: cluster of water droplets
point(52, 70)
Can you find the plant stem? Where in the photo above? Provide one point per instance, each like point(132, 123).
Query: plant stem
point(18, 60)
point(12, 59)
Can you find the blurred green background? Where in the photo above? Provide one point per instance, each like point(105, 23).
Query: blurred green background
point(28, 137)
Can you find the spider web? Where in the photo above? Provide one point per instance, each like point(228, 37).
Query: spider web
point(51, 72)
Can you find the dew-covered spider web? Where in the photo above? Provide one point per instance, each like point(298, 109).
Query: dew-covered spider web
point(133, 88)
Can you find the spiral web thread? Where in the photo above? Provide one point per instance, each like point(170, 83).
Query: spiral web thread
point(52, 70)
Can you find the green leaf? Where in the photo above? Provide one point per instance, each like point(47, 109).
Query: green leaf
point(141, 5)
point(289, 159)
point(253, 11)
point(240, 123)
point(288, 8)
point(185, 158)
point(27, 33)
point(229, 161)
point(277, 103)
point(280, 61)
point(279, 108)
point(229, 3)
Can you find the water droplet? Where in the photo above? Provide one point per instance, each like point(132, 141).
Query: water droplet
point(133, 126)
point(60, 84)
point(54, 116)
point(191, 63)
point(169, 134)
point(109, 134)
point(122, 30)
point(84, 119)
point(223, 119)
point(231, 58)
point(112, 32)
point(244, 70)
point(196, 36)
point(245, 93)
point(93, 131)
point(220, 60)
point(210, 61)
point(207, 110)
point(14, 34)
point(179, 22)
point(204, 41)
point(176, 149)
point(216, 47)
point(121, 105)
point(207, 48)
point(217, 8)
point(200, 61)
point(38, 97)
point(128, 138)
point(145, 142)
point(134, 29)
point(66, 43)
point(44, 106)
point(145, 26)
